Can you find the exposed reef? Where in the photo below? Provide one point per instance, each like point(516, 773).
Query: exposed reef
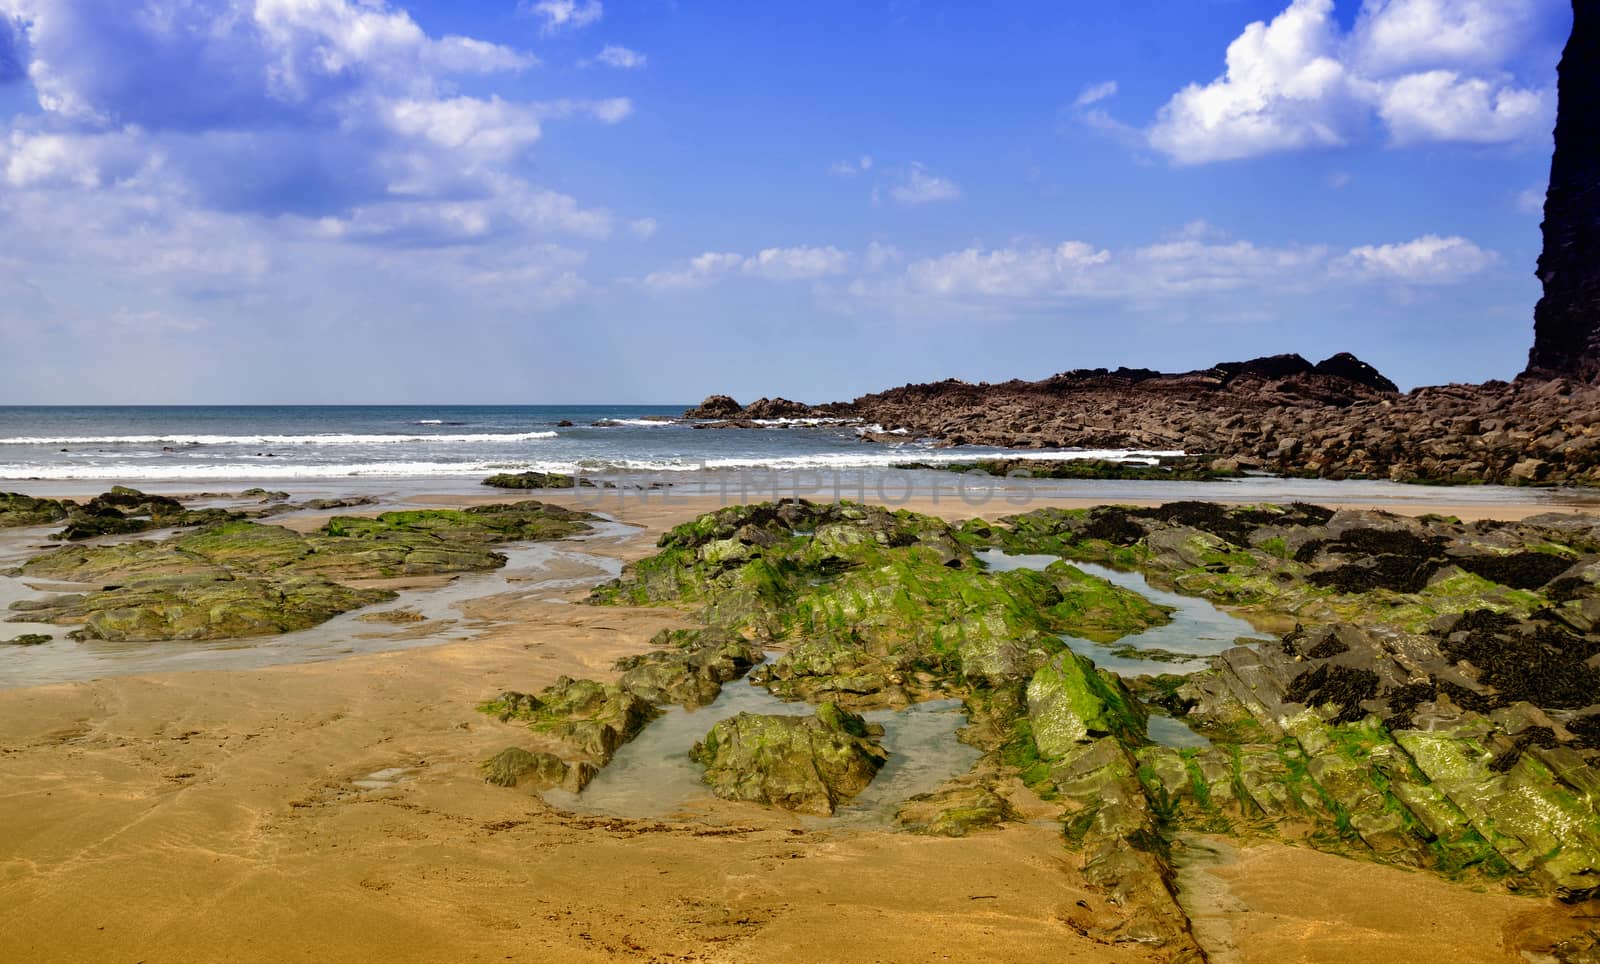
point(240, 578)
point(1433, 702)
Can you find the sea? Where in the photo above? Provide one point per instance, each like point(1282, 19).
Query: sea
point(288, 443)
point(396, 450)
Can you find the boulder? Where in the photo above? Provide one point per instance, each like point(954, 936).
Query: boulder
point(715, 406)
point(1070, 702)
point(805, 764)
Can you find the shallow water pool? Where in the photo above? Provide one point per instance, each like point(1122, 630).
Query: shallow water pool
point(654, 777)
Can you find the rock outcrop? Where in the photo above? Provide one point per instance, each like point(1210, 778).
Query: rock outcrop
point(1331, 420)
point(806, 764)
point(237, 578)
point(1566, 322)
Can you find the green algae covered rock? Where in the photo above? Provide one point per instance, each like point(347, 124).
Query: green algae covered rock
point(237, 578)
point(27, 639)
point(532, 480)
point(962, 807)
point(879, 607)
point(201, 607)
point(515, 766)
point(691, 672)
point(476, 525)
point(592, 719)
point(17, 510)
point(1070, 702)
point(805, 764)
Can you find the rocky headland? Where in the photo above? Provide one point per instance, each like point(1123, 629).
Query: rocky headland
point(1281, 414)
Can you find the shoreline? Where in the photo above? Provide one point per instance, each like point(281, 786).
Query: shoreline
point(233, 793)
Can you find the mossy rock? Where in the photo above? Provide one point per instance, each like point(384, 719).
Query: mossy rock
point(18, 510)
point(533, 480)
point(237, 578)
point(689, 673)
point(514, 766)
point(27, 639)
point(804, 764)
point(1070, 703)
point(203, 607)
point(593, 719)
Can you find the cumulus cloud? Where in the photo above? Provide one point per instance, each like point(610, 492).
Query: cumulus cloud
point(1195, 260)
point(1441, 105)
point(701, 271)
point(1427, 70)
point(643, 228)
point(564, 14)
point(1008, 272)
point(1397, 35)
point(1428, 260)
point(612, 55)
point(243, 152)
point(921, 187)
point(801, 263)
point(1184, 269)
point(795, 264)
point(305, 108)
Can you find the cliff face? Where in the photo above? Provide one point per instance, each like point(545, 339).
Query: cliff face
point(1566, 323)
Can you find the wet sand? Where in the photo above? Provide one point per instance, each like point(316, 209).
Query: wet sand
point(334, 811)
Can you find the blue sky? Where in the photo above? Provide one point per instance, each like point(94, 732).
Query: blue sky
point(597, 200)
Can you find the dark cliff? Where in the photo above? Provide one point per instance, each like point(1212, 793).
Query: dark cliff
point(1566, 323)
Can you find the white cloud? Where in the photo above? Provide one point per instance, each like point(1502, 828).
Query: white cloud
point(880, 256)
point(702, 270)
point(610, 110)
point(921, 187)
point(1397, 35)
point(1009, 272)
point(800, 263)
point(1338, 179)
point(1284, 89)
point(861, 165)
point(612, 55)
point(1094, 93)
point(225, 151)
point(1196, 260)
point(564, 14)
point(1428, 260)
point(1441, 105)
point(482, 129)
point(643, 228)
point(796, 264)
point(1531, 200)
point(1299, 82)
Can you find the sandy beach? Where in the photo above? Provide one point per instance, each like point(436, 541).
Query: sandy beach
point(336, 811)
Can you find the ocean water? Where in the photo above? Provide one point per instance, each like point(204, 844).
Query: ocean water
point(267, 443)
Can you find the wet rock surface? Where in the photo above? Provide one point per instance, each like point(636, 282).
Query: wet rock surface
point(805, 764)
point(589, 719)
point(1432, 706)
point(21, 510)
point(1430, 700)
point(691, 670)
point(233, 578)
